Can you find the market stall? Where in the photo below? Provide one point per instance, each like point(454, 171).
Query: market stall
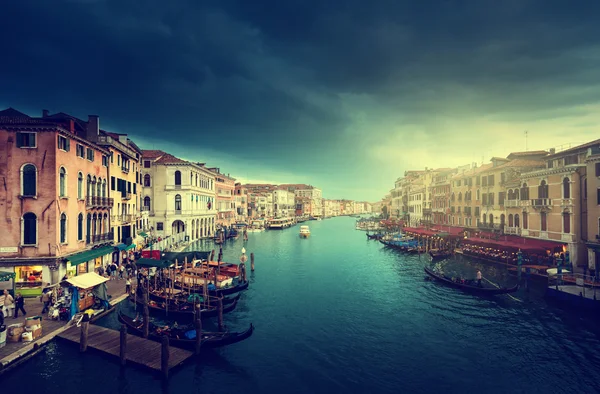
point(87, 291)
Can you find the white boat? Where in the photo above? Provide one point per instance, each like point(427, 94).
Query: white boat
point(279, 224)
point(256, 226)
point(304, 232)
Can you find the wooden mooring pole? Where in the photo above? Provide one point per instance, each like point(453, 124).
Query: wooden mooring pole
point(198, 325)
point(164, 357)
point(252, 262)
point(146, 316)
point(83, 339)
point(212, 255)
point(123, 344)
point(220, 306)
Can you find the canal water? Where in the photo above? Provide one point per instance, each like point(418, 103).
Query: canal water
point(336, 313)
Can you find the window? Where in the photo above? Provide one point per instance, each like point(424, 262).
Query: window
point(63, 228)
point(585, 189)
point(147, 180)
point(178, 202)
point(80, 227)
point(89, 186)
point(80, 151)
point(80, 186)
point(477, 195)
point(566, 223)
point(524, 196)
point(501, 197)
point(159, 226)
point(146, 203)
point(598, 169)
point(90, 154)
point(544, 221)
point(118, 160)
point(573, 159)
point(177, 177)
point(29, 180)
point(517, 220)
point(510, 220)
point(525, 224)
point(29, 229)
point(146, 163)
point(598, 196)
point(26, 140)
point(64, 143)
point(566, 188)
point(62, 182)
point(543, 190)
point(112, 183)
point(105, 160)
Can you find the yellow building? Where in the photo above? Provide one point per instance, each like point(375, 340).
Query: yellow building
point(591, 196)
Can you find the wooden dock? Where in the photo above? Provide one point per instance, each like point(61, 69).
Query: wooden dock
point(140, 351)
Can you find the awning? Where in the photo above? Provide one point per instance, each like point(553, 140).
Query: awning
point(153, 263)
point(88, 255)
point(123, 247)
point(6, 276)
point(86, 281)
point(143, 234)
point(181, 256)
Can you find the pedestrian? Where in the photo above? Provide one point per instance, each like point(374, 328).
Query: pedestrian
point(9, 304)
point(121, 271)
point(19, 305)
point(101, 270)
point(479, 277)
point(128, 286)
point(45, 298)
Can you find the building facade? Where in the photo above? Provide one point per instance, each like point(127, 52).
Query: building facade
point(179, 196)
point(225, 198)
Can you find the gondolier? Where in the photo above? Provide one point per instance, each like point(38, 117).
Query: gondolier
point(479, 278)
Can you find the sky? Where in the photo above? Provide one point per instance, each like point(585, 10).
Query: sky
point(345, 95)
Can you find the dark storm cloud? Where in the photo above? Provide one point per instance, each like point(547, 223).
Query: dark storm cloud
point(296, 77)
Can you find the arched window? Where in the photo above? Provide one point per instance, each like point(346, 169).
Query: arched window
point(93, 186)
point(178, 202)
point(566, 188)
point(525, 221)
point(29, 180)
point(491, 219)
point(99, 188)
point(62, 182)
point(146, 203)
point(509, 194)
point(502, 220)
point(516, 194)
point(510, 220)
point(80, 186)
point(566, 222)
point(543, 190)
point(89, 186)
point(63, 228)
point(459, 196)
point(104, 188)
point(484, 218)
point(477, 196)
point(524, 192)
point(196, 179)
point(452, 198)
point(177, 177)
point(29, 229)
point(80, 227)
point(147, 180)
point(544, 221)
point(88, 228)
point(517, 220)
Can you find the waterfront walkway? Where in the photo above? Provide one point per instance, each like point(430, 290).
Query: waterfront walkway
point(14, 353)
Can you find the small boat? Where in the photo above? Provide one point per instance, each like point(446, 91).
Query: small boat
point(186, 310)
point(470, 286)
point(181, 297)
point(437, 254)
point(304, 232)
point(184, 337)
point(214, 292)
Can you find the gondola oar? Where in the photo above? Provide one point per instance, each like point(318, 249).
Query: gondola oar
point(495, 285)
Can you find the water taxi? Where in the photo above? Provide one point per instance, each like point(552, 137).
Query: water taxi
point(280, 224)
point(304, 232)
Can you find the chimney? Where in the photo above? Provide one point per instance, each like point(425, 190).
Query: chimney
point(72, 126)
point(552, 151)
point(93, 128)
point(45, 113)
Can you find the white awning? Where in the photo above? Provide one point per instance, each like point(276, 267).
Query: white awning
point(87, 281)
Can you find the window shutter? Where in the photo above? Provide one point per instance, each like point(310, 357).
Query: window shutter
point(19, 140)
point(32, 137)
point(68, 145)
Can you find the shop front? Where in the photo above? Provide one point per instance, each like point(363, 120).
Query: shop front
point(7, 279)
point(87, 261)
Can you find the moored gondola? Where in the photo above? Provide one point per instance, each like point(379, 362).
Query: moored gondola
point(437, 255)
point(183, 297)
point(217, 292)
point(470, 286)
point(185, 337)
point(186, 311)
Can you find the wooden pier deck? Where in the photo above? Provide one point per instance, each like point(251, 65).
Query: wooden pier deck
point(140, 351)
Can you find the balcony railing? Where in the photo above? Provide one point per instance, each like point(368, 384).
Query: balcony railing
point(489, 226)
point(126, 196)
point(564, 202)
point(511, 203)
point(567, 237)
point(99, 238)
point(125, 170)
point(99, 202)
point(512, 230)
point(123, 218)
point(540, 202)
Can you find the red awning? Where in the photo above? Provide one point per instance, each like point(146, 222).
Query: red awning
point(514, 243)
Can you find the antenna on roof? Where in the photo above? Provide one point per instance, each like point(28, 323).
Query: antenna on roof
point(526, 132)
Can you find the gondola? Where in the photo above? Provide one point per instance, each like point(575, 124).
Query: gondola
point(373, 236)
point(178, 338)
point(188, 313)
point(215, 293)
point(437, 255)
point(471, 288)
point(183, 298)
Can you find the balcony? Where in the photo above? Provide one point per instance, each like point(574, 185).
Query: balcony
point(126, 196)
point(565, 202)
point(99, 202)
point(512, 230)
point(540, 202)
point(488, 226)
point(511, 203)
point(124, 218)
point(524, 203)
point(99, 238)
point(567, 237)
point(125, 170)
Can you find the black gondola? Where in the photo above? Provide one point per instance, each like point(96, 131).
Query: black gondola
point(215, 293)
point(177, 336)
point(188, 313)
point(471, 288)
point(183, 299)
point(437, 255)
